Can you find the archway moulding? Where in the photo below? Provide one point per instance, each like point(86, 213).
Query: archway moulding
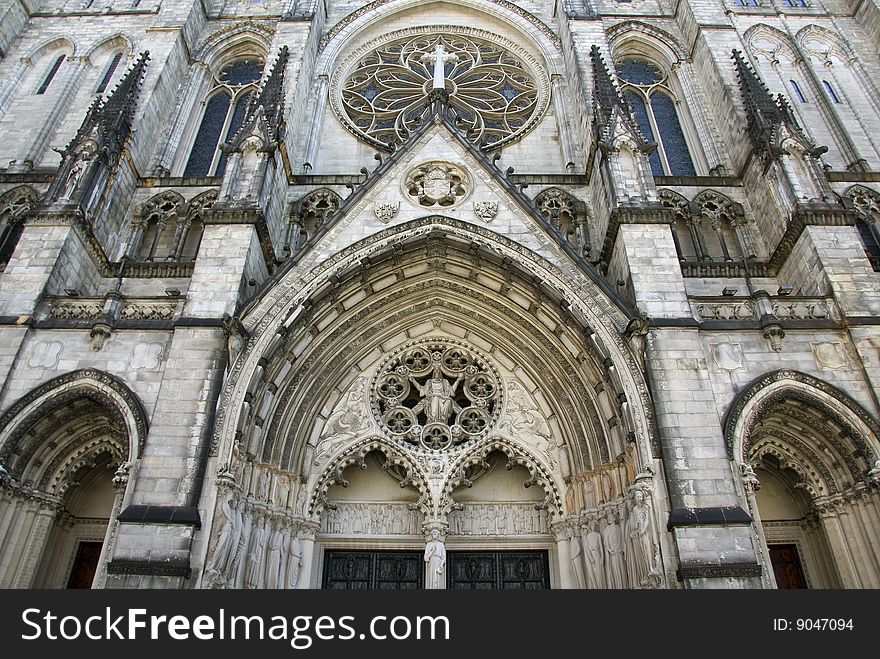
point(107, 389)
point(343, 33)
point(771, 388)
point(436, 475)
point(281, 304)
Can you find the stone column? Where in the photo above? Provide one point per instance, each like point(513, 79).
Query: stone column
point(307, 537)
point(751, 484)
point(841, 558)
point(318, 118)
point(13, 84)
point(560, 532)
point(33, 549)
point(561, 114)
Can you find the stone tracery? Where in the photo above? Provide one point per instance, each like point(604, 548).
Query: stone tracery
point(495, 96)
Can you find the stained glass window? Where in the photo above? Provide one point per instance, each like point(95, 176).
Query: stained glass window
point(797, 91)
point(108, 74)
point(647, 89)
point(223, 115)
point(51, 74)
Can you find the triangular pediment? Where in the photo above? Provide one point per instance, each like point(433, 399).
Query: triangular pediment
point(483, 197)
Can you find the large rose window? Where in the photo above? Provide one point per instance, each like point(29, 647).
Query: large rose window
point(436, 394)
point(493, 94)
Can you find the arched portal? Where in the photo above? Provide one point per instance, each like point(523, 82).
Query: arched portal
point(808, 454)
point(427, 362)
point(66, 449)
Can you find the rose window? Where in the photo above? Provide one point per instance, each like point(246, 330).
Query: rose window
point(436, 394)
point(494, 95)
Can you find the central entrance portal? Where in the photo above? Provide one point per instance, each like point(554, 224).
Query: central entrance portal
point(362, 570)
point(515, 570)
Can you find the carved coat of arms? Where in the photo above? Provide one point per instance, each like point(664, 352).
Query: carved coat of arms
point(386, 212)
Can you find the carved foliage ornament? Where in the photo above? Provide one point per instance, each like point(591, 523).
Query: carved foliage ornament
point(436, 394)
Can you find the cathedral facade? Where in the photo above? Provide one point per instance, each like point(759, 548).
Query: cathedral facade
point(447, 294)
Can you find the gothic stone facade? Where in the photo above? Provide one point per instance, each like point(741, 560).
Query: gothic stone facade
point(470, 293)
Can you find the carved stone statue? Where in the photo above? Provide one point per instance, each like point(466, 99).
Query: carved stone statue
point(642, 559)
point(255, 568)
point(435, 557)
point(301, 500)
point(874, 472)
point(594, 557)
point(615, 566)
point(437, 396)
point(577, 564)
point(75, 175)
point(236, 336)
point(273, 559)
point(294, 561)
point(227, 543)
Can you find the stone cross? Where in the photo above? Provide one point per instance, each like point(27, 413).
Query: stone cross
point(439, 58)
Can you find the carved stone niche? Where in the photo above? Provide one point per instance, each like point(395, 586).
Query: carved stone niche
point(436, 393)
point(437, 184)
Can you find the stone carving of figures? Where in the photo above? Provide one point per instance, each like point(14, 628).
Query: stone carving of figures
point(294, 561)
point(523, 418)
point(227, 543)
point(643, 556)
point(239, 563)
point(750, 478)
point(537, 525)
point(484, 520)
point(594, 557)
point(607, 486)
point(589, 490)
point(262, 493)
point(437, 394)
point(375, 524)
point(467, 521)
point(435, 557)
point(569, 500)
point(349, 419)
point(615, 566)
point(75, 175)
point(256, 558)
point(282, 491)
point(630, 462)
point(874, 472)
point(273, 559)
point(577, 564)
point(236, 336)
point(301, 500)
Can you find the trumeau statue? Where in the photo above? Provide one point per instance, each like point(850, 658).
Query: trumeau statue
point(435, 557)
point(294, 561)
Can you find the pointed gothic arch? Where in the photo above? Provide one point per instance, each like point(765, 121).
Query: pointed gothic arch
point(67, 448)
point(814, 447)
point(307, 378)
point(14, 205)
